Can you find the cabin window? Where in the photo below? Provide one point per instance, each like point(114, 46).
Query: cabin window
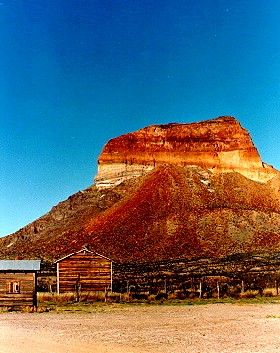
point(13, 287)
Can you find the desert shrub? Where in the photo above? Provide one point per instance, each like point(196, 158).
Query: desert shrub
point(139, 296)
point(92, 296)
point(151, 297)
point(269, 292)
point(5, 309)
point(46, 297)
point(65, 298)
point(69, 297)
point(215, 295)
point(234, 292)
point(27, 309)
point(191, 295)
point(43, 309)
point(161, 296)
point(113, 296)
point(178, 294)
point(126, 297)
point(249, 294)
point(172, 296)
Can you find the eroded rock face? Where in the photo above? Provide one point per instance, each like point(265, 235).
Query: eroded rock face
point(220, 145)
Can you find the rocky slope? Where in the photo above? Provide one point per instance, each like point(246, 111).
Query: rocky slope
point(181, 208)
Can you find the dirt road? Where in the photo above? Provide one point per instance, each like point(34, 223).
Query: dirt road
point(146, 329)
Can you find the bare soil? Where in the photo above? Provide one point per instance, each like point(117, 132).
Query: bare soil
point(249, 328)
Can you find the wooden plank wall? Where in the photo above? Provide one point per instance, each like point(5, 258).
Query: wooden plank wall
point(27, 289)
point(93, 272)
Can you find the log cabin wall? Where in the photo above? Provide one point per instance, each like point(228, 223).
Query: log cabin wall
point(84, 271)
point(18, 289)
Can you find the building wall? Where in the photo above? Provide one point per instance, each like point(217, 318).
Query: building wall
point(84, 271)
point(17, 289)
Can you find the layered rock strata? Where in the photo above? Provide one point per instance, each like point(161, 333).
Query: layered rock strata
point(220, 145)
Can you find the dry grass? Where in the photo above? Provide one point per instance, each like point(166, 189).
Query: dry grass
point(249, 294)
point(92, 301)
point(5, 309)
point(270, 292)
point(71, 297)
point(178, 295)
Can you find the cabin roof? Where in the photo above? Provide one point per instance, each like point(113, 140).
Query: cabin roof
point(84, 249)
point(20, 265)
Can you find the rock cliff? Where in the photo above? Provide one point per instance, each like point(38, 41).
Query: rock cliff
point(219, 145)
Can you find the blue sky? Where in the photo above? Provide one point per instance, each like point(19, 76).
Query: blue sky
point(76, 73)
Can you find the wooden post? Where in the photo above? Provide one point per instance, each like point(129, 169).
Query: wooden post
point(127, 289)
point(276, 286)
point(78, 291)
point(111, 276)
point(242, 286)
point(35, 299)
point(218, 290)
point(200, 290)
point(165, 286)
point(105, 297)
point(57, 277)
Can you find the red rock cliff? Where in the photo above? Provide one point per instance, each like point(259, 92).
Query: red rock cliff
point(220, 145)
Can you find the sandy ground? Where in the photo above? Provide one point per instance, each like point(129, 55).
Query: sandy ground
point(150, 329)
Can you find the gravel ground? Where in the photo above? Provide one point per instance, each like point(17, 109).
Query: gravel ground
point(146, 329)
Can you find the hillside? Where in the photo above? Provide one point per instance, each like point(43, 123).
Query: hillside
point(169, 211)
point(173, 212)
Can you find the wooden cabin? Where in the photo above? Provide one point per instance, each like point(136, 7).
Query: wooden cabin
point(18, 282)
point(84, 271)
